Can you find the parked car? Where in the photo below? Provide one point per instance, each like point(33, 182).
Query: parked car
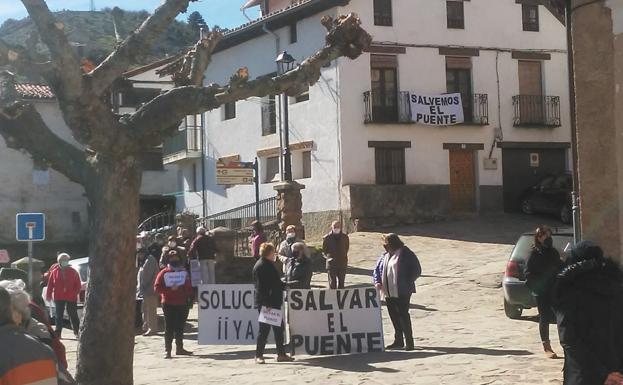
point(551, 195)
point(81, 265)
point(517, 296)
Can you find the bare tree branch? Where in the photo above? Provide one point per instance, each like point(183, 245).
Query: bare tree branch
point(190, 69)
point(22, 128)
point(51, 31)
point(135, 45)
point(345, 38)
point(22, 61)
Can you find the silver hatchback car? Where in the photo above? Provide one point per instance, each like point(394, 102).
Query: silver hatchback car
point(517, 296)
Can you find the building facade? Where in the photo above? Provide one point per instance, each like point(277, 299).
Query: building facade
point(354, 144)
point(26, 186)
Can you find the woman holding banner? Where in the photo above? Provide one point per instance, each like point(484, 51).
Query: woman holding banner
point(173, 285)
point(268, 295)
point(394, 275)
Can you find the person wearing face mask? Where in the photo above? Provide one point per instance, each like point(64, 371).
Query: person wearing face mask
point(542, 267)
point(285, 248)
point(64, 286)
point(203, 248)
point(335, 247)
point(155, 248)
point(24, 360)
point(175, 299)
point(299, 270)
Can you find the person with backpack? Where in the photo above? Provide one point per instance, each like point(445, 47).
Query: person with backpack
point(394, 276)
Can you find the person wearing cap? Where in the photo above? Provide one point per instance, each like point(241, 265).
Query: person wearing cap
point(23, 359)
point(588, 301)
point(64, 286)
point(394, 276)
point(335, 247)
point(203, 248)
point(146, 277)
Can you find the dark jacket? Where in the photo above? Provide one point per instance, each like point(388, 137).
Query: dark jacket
point(335, 248)
point(203, 247)
point(299, 273)
point(268, 286)
point(589, 309)
point(541, 270)
point(409, 269)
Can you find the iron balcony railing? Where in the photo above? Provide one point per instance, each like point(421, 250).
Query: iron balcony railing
point(188, 139)
point(390, 109)
point(158, 222)
point(241, 217)
point(536, 110)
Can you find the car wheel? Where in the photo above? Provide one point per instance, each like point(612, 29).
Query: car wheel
point(512, 311)
point(566, 215)
point(526, 207)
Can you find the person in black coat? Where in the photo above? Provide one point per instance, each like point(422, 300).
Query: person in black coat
point(299, 270)
point(588, 299)
point(543, 265)
point(268, 293)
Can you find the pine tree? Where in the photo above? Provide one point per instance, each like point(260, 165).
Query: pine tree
point(196, 22)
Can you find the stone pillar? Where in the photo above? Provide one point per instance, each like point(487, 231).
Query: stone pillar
point(225, 240)
point(598, 54)
point(290, 206)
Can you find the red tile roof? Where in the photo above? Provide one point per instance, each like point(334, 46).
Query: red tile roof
point(34, 91)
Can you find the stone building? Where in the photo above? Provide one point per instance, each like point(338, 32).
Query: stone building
point(355, 145)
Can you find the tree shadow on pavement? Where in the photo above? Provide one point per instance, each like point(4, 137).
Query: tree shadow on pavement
point(231, 356)
point(476, 351)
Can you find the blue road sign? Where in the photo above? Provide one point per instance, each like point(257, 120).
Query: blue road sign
point(30, 227)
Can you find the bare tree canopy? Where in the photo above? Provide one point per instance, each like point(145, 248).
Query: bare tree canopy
point(108, 164)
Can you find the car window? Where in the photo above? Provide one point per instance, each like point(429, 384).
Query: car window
point(83, 271)
point(523, 247)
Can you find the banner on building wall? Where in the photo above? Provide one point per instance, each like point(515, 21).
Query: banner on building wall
point(436, 110)
point(227, 315)
point(331, 322)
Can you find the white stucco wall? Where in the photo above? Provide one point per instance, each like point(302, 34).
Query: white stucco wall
point(333, 117)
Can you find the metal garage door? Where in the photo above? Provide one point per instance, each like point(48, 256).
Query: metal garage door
point(523, 167)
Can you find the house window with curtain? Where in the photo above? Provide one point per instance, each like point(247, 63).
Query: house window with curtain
point(307, 173)
point(459, 80)
point(530, 17)
point(271, 173)
point(389, 165)
point(384, 92)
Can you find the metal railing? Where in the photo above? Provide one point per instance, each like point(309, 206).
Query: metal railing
point(399, 110)
point(188, 139)
point(386, 108)
point(241, 217)
point(537, 110)
point(158, 222)
point(479, 111)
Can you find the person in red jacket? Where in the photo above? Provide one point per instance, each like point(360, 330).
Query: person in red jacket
point(176, 293)
point(64, 286)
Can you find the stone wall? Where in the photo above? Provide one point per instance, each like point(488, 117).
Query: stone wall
point(491, 199)
point(373, 206)
point(319, 223)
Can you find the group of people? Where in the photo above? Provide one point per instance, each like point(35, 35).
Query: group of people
point(584, 296)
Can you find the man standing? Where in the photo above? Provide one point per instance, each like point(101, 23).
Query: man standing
point(335, 248)
point(203, 248)
point(285, 248)
point(146, 278)
point(24, 360)
point(64, 286)
point(588, 302)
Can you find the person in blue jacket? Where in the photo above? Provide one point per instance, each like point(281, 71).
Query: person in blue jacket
point(394, 276)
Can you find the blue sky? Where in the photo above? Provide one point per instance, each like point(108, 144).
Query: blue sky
point(225, 13)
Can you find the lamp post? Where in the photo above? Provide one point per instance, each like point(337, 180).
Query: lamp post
point(286, 63)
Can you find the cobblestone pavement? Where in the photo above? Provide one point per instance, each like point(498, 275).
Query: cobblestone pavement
point(462, 335)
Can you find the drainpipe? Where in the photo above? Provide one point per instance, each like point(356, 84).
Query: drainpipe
point(575, 199)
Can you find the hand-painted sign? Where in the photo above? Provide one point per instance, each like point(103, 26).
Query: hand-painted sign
point(436, 110)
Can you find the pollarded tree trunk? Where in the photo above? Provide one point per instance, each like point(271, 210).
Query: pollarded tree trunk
point(105, 352)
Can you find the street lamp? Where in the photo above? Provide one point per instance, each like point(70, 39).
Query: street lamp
point(285, 63)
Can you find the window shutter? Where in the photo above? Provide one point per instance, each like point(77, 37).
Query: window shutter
point(454, 62)
point(384, 61)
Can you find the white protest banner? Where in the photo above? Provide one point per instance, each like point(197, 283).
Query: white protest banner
point(227, 315)
point(175, 278)
point(436, 110)
point(329, 322)
point(271, 317)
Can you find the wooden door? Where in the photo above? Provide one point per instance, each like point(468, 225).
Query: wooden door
point(531, 92)
point(462, 180)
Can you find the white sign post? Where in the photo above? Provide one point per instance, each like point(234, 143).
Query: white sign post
point(227, 315)
point(331, 322)
point(436, 110)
